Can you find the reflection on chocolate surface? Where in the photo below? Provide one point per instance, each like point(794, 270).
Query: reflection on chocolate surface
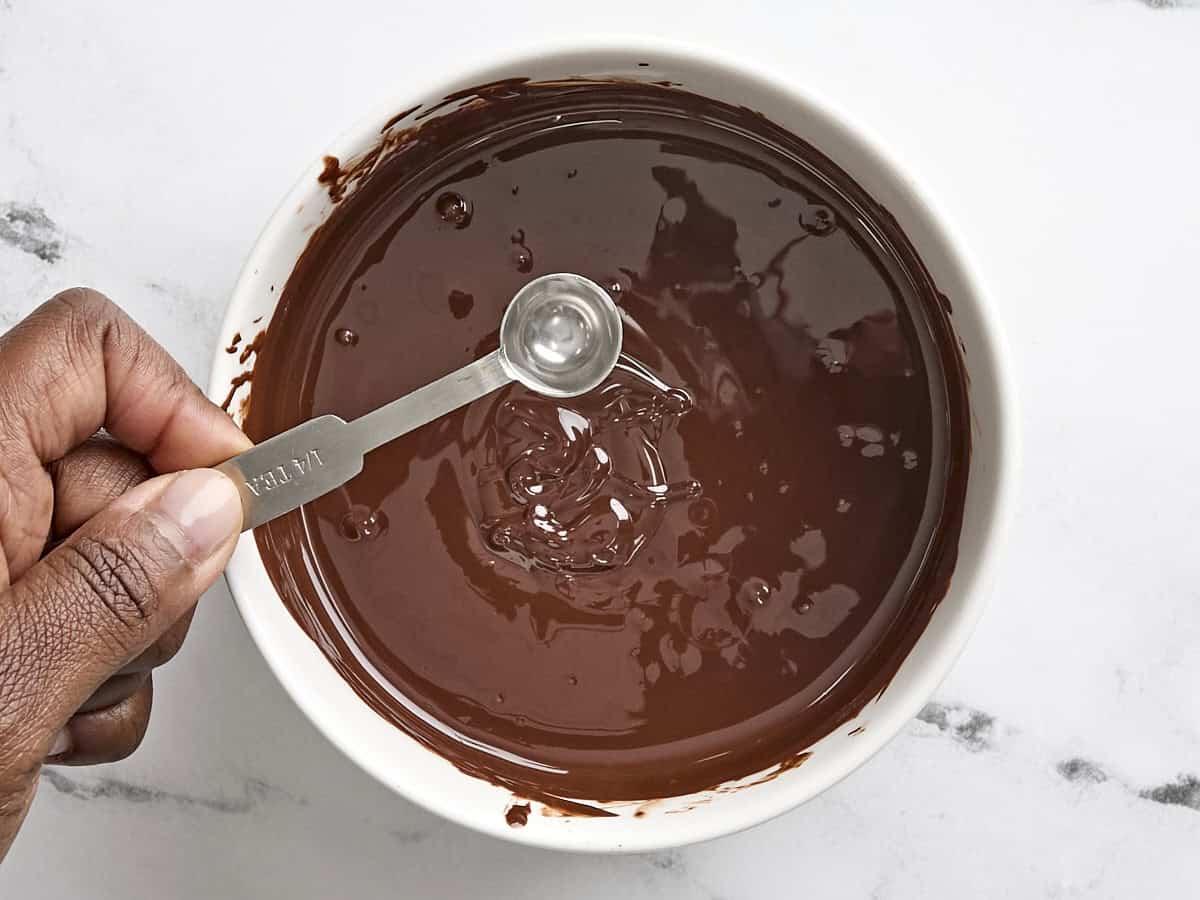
point(695, 571)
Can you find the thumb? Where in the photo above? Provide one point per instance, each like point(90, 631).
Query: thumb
point(106, 594)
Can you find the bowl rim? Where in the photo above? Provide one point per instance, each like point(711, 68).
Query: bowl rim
point(937, 659)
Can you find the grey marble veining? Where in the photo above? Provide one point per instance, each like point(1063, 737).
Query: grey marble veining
point(254, 792)
point(29, 229)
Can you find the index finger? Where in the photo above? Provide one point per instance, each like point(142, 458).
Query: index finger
point(75, 365)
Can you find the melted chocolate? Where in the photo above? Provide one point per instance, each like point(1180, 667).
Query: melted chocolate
point(701, 568)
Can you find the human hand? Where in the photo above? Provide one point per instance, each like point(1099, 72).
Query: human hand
point(102, 563)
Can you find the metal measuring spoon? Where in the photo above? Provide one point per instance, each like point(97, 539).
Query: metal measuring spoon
point(560, 336)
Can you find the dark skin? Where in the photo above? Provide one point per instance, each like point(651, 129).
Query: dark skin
point(111, 527)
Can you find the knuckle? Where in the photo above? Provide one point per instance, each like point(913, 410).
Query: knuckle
point(114, 575)
point(80, 315)
point(81, 302)
point(90, 323)
point(72, 323)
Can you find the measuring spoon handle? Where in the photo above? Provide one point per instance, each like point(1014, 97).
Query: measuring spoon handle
point(286, 471)
point(298, 465)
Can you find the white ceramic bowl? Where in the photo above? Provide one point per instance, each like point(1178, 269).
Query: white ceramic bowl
point(420, 775)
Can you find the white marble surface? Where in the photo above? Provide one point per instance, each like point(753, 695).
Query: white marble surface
point(1062, 757)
